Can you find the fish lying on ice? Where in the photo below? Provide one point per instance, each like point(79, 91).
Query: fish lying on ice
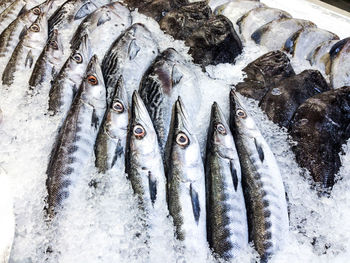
point(340, 64)
point(75, 142)
point(227, 228)
point(111, 140)
point(129, 56)
point(320, 57)
point(263, 188)
point(10, 13)
point(4, 4)
point(27, 50)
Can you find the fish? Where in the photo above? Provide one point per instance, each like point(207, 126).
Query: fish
point(265, 197)
point(301, 43)
point(214, 42)
point(10, 13)
point(129, 56)
point(48, 64)
point(111, 140)
point(186, 183)
point(256, 18)
point(168, 77)
point(274, 34)
point(320, 57)
point(4, 4)
point(281, 102)
point(144, 164)
point(320, 126)
point(180, 23)
point(27, 51)
point(65, 86)
point(10, 37)
point(74, 144)
point(340, 64)
point(227, 227)
point(215, 3)
point(264, 73)
point(107, 23)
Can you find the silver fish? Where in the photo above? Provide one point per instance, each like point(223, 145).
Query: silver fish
point(227, 228)
point(168, 77)
point(66, 84)
point(274, 34)
point(320, 57)
point(4, 4)
point(186, 182)
point(258, 17)
point(144, 161)
point(111, 139)
point(213, 4)
point(49, 61)
point(301, 43)
point(107, 23)
point(75, 142)
point(10, 13)
point(340, 64)
point(28, 50)
point(263, 187)
point(129, 56)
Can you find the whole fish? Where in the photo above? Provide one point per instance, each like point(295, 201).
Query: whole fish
point(263, 188)
point(186, 183)
point(320, 57)
point(10, 37)
point(107, 23)
point(10, 13)
point(49, 61)
point(301, 43)
point(340, 64)
point(144, 161)
point(75, 142)
point(129, 56)
point(28, 50)
point(258, 17)
point(227, 228)
point(274, 34)
point(66, 84)
point(111, 140)
point(167, 78)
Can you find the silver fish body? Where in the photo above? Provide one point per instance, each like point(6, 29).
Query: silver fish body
point(75, 142)
point(49, 61)
point(27, 51)
point(169, 77)
point(186, 183)
point(129, 56)
point(340, 64)
point(66, 84)
point(10, 13)
point(227, 228)
point(4, 4)
point(111, 140)
point(263, 187)
point(320, 57)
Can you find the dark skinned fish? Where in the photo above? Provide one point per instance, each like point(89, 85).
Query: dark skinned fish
point(111, 139)
point(227, 228)
point(27, 51)
point(74, 145)
point(264, 193)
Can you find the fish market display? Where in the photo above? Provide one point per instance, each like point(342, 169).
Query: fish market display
point(76, 138)
point(264, 192)
point(227, 228)
point(339, 54)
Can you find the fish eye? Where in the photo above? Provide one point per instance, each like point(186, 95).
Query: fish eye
point(118, 107)
point(241, 113)
point(78, 58)
point(54, 45)
point(221, 128)
point(139, 131)
point(92, 80)
point(182, 139)
point(34, 28)
point(36, 11)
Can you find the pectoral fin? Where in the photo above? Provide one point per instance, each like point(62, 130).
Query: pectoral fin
point(105, 17)
point(85, 10)
point(260, 150)
point(29, 60)
point(152, 183)
point(234, 175)
point(195, 204)
point(133, 49)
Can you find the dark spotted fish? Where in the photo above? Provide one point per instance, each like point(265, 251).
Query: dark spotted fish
point(111, 139)
point(263, 188)
point(75, 142)
point(227, 228)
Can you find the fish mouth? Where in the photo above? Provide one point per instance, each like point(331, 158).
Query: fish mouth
point(235, 101)
point(139, 111)
point(181, 116)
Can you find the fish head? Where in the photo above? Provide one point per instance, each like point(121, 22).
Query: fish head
point(37, 30)
point(117, 116)
point(82, 54)
point(143, 137)
point(219, 134)
point(55, 45)
point(93, 88)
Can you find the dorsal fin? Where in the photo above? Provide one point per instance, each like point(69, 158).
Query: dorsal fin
point(260, 150)
point(234, 175)
point(152, 184)
point(195, 204)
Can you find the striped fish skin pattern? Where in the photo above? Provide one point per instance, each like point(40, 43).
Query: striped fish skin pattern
point(74, 145)
point(10, 14)
point(111, 140)
point(263, 188)
point(227, 228)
